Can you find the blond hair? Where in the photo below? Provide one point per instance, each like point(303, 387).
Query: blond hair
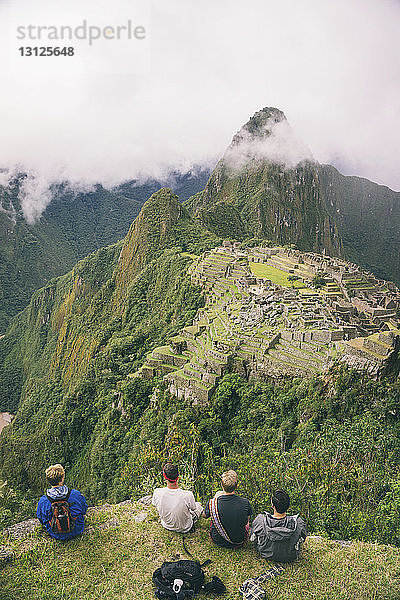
point(229, 481)
point(55, 474)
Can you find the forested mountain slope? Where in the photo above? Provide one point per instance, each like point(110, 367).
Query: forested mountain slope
point(73, 225)
point(368, 220)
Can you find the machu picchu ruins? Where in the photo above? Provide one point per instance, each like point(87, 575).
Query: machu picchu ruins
point(273, 311)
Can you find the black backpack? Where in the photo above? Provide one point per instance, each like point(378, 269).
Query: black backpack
point(61, 519)
point(190, 572)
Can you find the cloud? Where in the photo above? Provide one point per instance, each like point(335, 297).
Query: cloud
point(274, 141)
point(36, 190)
point(35, 195)
point(5, 178)
point(333, 67)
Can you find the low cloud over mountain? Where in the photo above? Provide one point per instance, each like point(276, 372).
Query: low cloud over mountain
point(333, 67)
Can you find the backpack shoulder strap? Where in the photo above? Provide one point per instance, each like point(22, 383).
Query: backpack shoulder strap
point(272, 572)
point(295, 520)
point(216, 519)
point(184, 547)
point(208, 561)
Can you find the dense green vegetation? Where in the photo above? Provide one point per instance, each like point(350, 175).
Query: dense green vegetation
point(73, 225)
point(64, 355)
point(267, 200)
point(334, 444)
point(368, 221)
point(68, 363)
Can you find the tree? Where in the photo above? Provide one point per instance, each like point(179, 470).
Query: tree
point(318, 281)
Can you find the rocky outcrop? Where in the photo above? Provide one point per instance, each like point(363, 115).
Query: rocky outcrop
point(25, 529)
point(22, 529)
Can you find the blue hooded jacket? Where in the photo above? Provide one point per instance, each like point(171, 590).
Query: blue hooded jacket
point(78, 508)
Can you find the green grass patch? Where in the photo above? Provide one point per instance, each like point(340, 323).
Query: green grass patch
point(306, 290)
point(165, 351)
point(189, 255)
point(264, 271)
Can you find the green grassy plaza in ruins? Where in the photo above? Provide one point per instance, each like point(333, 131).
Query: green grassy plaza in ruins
point(277, 311)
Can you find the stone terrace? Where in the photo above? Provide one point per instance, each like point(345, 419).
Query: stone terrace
point(263, 317)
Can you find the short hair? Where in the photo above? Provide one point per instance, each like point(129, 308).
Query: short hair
point(229, 481)
point(171, 471)
point(280, 501)
point(55, 474)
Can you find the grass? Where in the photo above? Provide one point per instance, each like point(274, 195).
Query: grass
point(189, 255)
point(117, 563)
point(277, 276)
point(307, 290)
point(165, 351)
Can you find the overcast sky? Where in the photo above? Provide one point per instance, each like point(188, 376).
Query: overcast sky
point(124, 108)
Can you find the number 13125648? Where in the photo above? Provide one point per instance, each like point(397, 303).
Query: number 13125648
point(46, 51)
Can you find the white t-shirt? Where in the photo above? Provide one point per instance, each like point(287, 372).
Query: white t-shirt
point(175, 508)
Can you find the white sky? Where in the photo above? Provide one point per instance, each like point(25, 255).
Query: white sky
point(122, 109)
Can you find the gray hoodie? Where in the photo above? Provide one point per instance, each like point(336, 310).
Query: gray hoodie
point(57, 492)
point(278, 539)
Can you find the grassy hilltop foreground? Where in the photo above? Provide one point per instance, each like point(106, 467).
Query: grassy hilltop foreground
point(117, 557)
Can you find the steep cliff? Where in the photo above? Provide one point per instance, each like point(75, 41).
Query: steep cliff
point(268, 185)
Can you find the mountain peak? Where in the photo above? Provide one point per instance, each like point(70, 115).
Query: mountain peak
point(260, 125)
point(162, 206)
point(267, 137)
point(148, 232)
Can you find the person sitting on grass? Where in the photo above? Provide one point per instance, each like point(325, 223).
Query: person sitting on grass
point(177, 508)
point(61, 510)
point(229, 514)
point(278, 536)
